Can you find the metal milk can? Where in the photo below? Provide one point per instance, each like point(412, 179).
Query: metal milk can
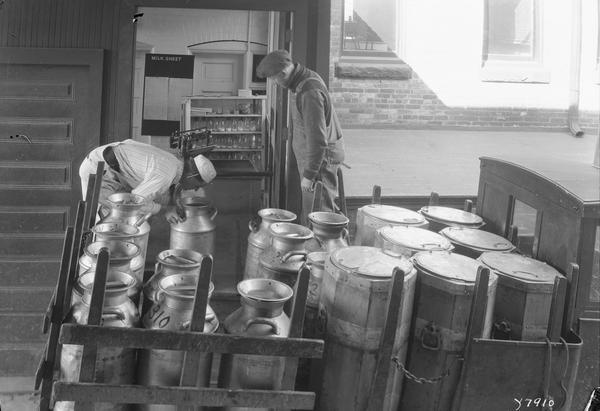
point(261, 314)
point(260, 237)
point(131, 209)
point(407, 241)
point(372, 217)
point(114, 365)
point(123, 232)
point(330, 229)
point(353, 306)
point(172, 310)
point(198, 231)
point(122, 253)
point(170, 262)
point(282, 260)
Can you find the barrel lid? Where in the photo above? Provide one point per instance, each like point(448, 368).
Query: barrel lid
point(392, 214)
point(475, 238)
point(447, 265)
point(414, 238)
point(451, 215)
point(368, 261)
point(520, 267)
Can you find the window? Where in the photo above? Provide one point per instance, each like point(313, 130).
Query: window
point(512, 30)
point(370, 28)
point(525, 219)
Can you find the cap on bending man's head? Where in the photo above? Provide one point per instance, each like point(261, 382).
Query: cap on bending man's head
point(274, 63)
point(205, 167)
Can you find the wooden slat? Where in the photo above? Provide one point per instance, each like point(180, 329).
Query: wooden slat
point(92, 195)
point(474, 327)
point(216, 397)
point(384, 357)
point(189, 372)
point(53, 320)
point(557, 307)
point(90, 351)
point(186, 341)
point(572, 284)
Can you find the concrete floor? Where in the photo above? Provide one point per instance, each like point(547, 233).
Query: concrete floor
point(417, 162)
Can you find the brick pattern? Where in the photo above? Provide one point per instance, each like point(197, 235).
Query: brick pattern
point(412, 104)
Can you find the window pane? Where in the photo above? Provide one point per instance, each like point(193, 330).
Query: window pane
point(524, 218)
point(595, 285)
point(511, 27)
point(370, 25)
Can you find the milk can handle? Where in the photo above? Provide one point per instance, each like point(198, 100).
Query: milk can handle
point(113, 313)
point(213, 212)
point(253, 224)
point(345, 233)
point(391, 253)
point(290, 254)
point(262, 320)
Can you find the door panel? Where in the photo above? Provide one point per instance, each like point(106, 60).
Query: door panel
point(50, 110)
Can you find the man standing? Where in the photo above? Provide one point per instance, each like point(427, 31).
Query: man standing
point(148, 171)
point(317, 136)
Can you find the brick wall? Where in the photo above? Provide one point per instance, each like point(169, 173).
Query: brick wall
point(412, 104)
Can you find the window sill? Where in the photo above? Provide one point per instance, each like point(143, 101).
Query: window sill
point(370, 68)
point(514, 72)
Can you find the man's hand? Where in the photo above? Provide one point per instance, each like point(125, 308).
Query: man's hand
point(307, 185)
point(172, 216)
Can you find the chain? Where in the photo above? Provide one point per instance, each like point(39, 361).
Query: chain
point(422, 380)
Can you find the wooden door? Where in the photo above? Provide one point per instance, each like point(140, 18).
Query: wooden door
point(50, 109)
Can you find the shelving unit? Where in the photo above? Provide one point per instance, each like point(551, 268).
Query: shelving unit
point(243, 158)
point(237, 125)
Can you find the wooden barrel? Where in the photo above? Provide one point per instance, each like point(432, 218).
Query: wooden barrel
point(354, 300)
point(524, 296)
point(473, 242)
point(443, 297)
point(372, 217)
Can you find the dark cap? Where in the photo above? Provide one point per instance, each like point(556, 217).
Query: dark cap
point(274, 63)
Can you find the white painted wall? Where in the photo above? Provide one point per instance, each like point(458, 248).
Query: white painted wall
point(444, 41)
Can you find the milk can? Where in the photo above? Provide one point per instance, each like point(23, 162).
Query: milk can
point(198, 231)
point(524, 296)
point(122, 253)
point(131, 209)
point(473, 242)
point(408, 241)
point(261, 314)
point(372, 217)
point(353, 305)
point(260, 237)
point(172, 310)
point(170, 262)
point(330, 229)
point(114, 365)
point(282, 260)
point(441, 217)
point(444, 294)
point(123, 232)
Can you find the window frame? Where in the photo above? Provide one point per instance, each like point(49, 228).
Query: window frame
point(376, 56)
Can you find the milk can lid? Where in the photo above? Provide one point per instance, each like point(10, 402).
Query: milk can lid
point(414, 238)
point(520, 267)
point(369, 261)
point(447, 265)
point(475, 238)
point(451, 215)
point(392, 214)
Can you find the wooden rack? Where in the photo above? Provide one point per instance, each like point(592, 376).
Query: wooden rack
point(187, 396)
